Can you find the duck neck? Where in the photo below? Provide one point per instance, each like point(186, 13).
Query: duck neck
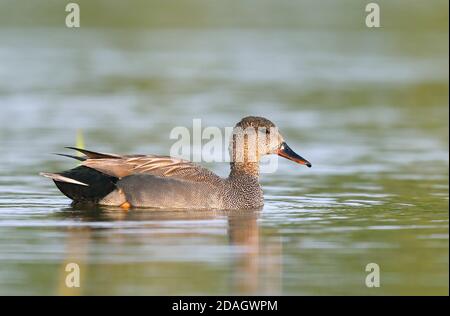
point(244, 169)
point(244, 188)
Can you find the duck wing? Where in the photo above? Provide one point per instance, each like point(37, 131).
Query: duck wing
point(162, 166)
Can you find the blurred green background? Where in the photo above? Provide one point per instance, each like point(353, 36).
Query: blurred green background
point(368, 107)
point(407, 16)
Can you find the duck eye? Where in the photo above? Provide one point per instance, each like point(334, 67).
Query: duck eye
point(267, 131)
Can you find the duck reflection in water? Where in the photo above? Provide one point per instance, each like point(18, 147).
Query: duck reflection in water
point(255, 262)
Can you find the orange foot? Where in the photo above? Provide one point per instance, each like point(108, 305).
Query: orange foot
point(125, 206)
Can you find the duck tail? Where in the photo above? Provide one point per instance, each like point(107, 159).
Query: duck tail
point(93, 155)
point(83, 184)
point(60, 178)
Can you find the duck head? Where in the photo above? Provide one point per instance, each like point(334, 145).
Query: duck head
point(254, 137)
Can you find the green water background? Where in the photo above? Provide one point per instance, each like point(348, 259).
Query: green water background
point(368, 107)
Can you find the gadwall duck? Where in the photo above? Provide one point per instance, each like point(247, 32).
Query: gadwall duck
point(165, 182)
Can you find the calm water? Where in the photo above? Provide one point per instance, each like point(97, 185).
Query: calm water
point(369, 111)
